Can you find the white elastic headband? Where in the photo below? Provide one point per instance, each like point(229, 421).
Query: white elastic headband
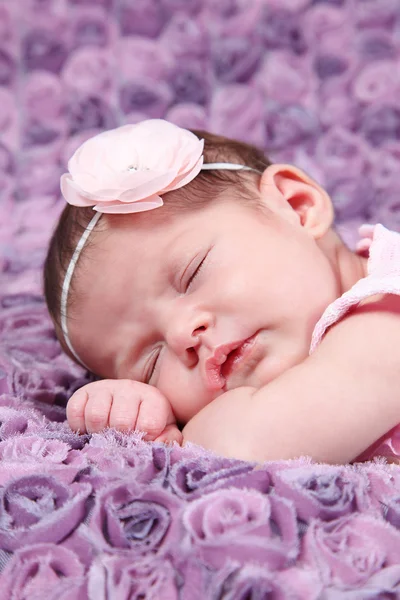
point(82, 242)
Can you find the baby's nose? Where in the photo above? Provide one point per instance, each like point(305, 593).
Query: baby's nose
point(186, 336)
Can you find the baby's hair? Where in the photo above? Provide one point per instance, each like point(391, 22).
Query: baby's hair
point(202, 190)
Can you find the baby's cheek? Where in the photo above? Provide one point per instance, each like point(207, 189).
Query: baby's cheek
point(184, 389)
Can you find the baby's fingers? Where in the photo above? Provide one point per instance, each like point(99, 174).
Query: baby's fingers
point(155, 414)
point(170, 434)
point(76, 411)
point(97, 410)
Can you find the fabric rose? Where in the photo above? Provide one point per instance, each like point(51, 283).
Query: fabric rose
point(91, 26)
point(352, 197)
point(377, 82)
point(124, 170)
point(385, 167)
point(193, 477)
point(350, 550)
point(43, 569)
point(376, 13)
point(125, 578)
point(26, 455)
point(236, 524)
point(380, 122)
point(125, 518)
point(235, 59)
point(144, 94)
point(191, 80)
point(138, 57)
point(42, 96)
point(142, 18)
point(237, 109)
point(385, 210)
point(90, 112)
point(7, 68)
point(14, 421)
point(375, 44)
point(284, 77)
point(110, 456)
point(8, 120)
point(288, 125)
point(39, 174)
point(322, 491)
point(255, 581)
point(282, 29)
point(114, 455)
point(42, 48)
point(38, 508)
point(89, 71)
point(188, 116)
point(340, 150)
point(339, 109)
point(321, 19)
point(185, 37)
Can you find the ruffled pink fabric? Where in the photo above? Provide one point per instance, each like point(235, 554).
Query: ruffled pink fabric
point(127, 169)
point(383, 247)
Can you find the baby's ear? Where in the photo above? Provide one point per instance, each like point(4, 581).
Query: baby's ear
point(288, 190)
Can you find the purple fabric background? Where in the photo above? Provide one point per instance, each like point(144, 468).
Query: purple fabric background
point(316, 83)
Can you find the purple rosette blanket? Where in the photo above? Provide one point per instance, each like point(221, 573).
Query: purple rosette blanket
point(108, 516)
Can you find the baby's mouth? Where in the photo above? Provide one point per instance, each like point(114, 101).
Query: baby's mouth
point(226, 360)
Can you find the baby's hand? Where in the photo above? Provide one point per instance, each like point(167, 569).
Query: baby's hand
point(125, 405)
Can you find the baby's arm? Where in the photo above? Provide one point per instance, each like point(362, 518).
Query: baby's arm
point(126, 405)
point(331, 407)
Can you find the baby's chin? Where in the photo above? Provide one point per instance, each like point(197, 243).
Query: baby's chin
point(265, 371)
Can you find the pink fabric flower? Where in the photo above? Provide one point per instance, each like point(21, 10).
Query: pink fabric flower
point(125, 170)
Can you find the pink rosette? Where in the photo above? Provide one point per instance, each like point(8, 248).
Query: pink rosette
point(376, 13)
point(138, 56)
point(26, 455)
point(227, 18)
point(42, 96)
point(351, 550)
point(385, 165)
point(92, 26)
point(89, 71)
point(322, 491)
point(142, 93)
point(352, 198)
point(235, 524)
point(125, 518)
point(8, 120)
point(183, 37)
point(141, 18)
point(38, 508)
point(339, 151)
point(238, 109)
point(285, 78)
point(125, 578)
point(39, 172)
point(44, 571)
point(13, 422)
point(188, 115)
point(253, 580)
point(127, 169)
point(378, 81)
point(339, 109)
point(321, 19)
point(191, 477)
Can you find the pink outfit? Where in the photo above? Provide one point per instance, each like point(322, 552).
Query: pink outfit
point(383, 278)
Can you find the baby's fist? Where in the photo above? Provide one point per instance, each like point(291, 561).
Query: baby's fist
point(125, 405)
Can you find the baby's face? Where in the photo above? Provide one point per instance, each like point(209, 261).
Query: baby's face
point(200, 303)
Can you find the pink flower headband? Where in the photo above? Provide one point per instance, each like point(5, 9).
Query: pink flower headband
point(126, 170)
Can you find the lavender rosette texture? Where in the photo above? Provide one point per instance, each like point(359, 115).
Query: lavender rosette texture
point(314, 82)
